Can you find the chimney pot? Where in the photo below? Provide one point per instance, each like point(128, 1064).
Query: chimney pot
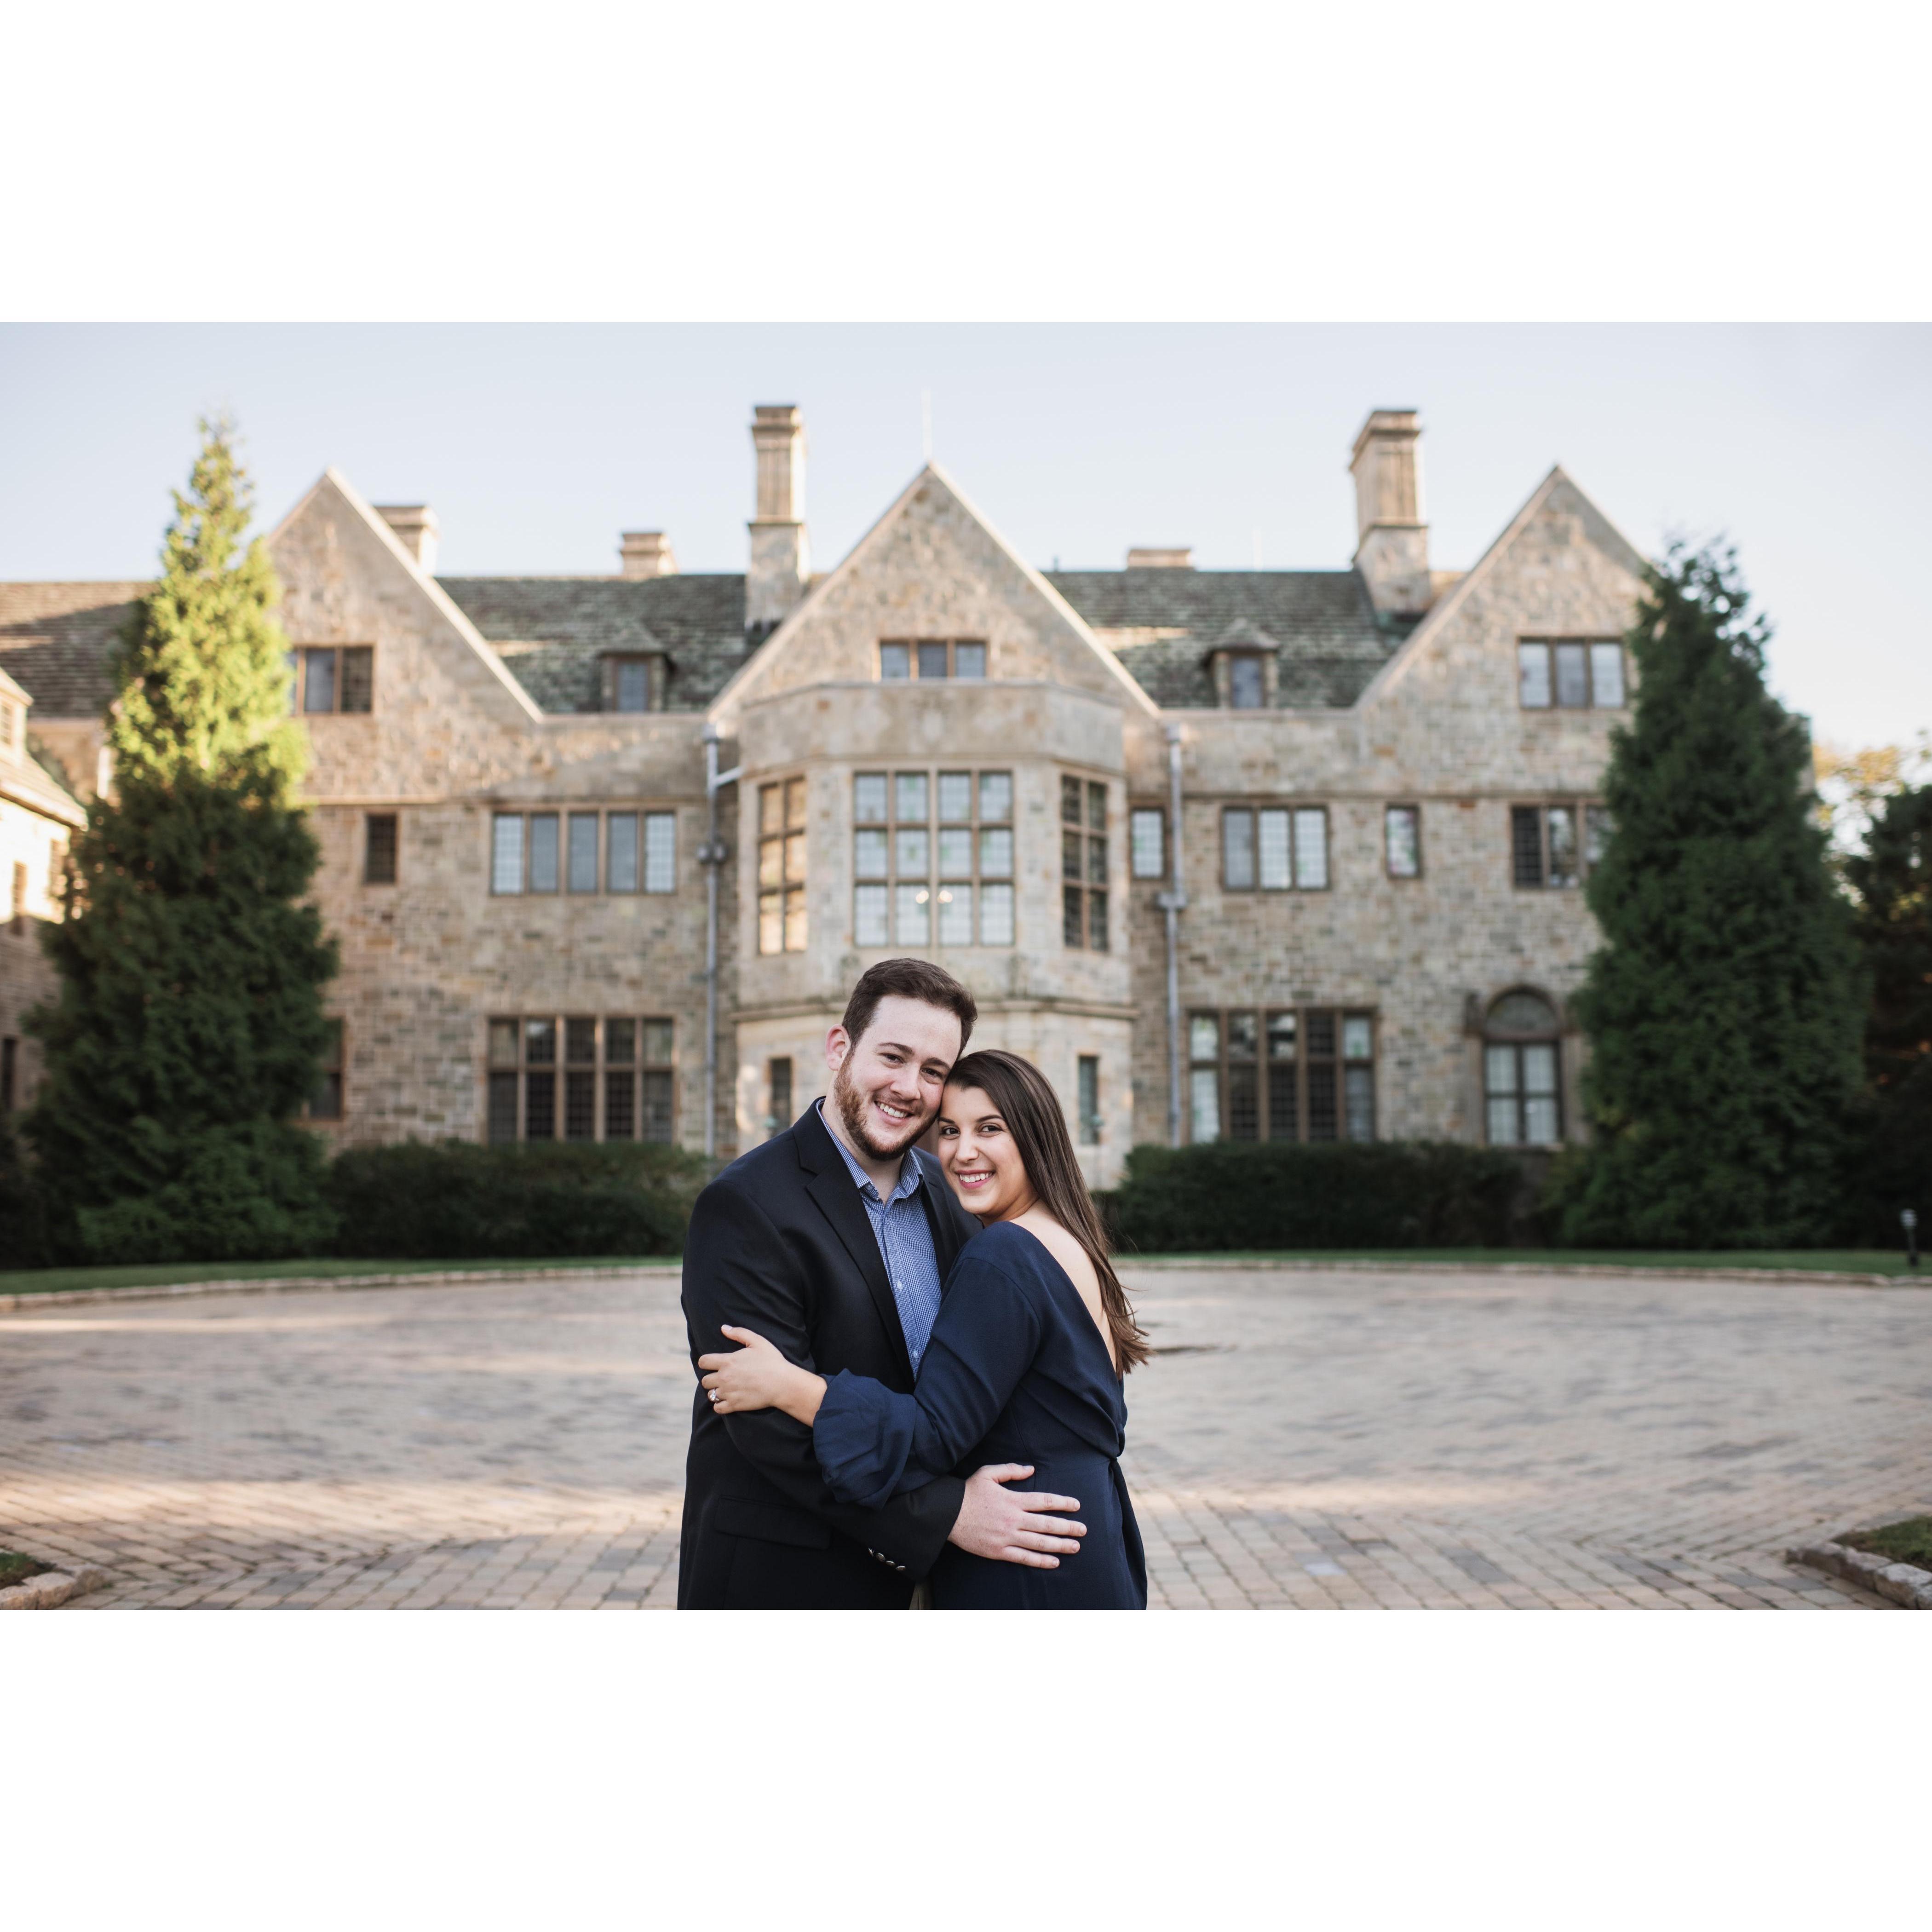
point(1179, 557)
point(417, 530)
point(646, 553)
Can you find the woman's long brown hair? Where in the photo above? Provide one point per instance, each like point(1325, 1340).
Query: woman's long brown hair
point(1022, 1098)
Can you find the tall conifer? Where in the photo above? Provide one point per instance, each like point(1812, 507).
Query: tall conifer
point(1891, 880)
point(1724, 1005)
point(188, 1024)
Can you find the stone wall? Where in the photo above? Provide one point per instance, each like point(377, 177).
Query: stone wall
point(1441, 730)
point(813, 705)
point(30, 840)
point(427, 961)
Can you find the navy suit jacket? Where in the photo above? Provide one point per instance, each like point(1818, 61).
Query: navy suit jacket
point(780, 1242)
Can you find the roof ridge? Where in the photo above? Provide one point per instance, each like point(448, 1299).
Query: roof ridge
point(589, 577)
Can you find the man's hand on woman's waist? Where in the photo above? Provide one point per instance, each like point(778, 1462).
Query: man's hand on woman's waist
point(1006, 1527)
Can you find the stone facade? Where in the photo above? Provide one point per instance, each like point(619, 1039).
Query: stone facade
point(38, 816)
point(518, 711)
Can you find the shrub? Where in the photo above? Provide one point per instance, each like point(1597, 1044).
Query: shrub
point(23, 1229)
point(455, 1200)
point(1382, 1194)
point(247, 1190)
point(1890, 1163)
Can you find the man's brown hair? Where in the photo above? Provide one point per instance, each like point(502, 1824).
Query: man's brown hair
point(910, 979)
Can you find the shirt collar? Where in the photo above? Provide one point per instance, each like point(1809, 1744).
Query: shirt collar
point(909, 1173)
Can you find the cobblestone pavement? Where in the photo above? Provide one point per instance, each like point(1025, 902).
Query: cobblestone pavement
point(1302, 1439)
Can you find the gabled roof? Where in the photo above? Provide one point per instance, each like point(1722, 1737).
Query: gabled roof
point(57, 638)
point(332, 480)
point(553, 632)
point(1598, 527)
point(28, 782)
point(25, 776)
point(1329, 641)
point(1244, 634)
point(932, 487)
point(58, 641)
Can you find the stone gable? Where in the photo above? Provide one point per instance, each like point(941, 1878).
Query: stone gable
point(931, 568)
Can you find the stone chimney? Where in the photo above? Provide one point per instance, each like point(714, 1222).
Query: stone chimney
point(1392, 546)
point(1179, 558)
point(646, 553)
point(417, 530)
point(781, 564)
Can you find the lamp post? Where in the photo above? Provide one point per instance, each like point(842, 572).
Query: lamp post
point(1909, 1220)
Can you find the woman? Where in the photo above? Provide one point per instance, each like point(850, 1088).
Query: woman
point(1024, 1363)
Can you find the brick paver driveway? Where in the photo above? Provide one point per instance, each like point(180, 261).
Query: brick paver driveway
point(1303, 1438)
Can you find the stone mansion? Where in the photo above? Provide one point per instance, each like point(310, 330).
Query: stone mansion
point(1245, 854)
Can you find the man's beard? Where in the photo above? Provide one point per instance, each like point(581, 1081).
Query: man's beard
point(851, 1105)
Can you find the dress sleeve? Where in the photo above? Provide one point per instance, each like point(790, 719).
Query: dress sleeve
point(873, 1444)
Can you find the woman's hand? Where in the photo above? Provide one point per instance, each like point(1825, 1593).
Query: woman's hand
point(755, 1376)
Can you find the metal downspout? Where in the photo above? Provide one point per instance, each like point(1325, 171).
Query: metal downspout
point(713, 858)
point(1173, 902)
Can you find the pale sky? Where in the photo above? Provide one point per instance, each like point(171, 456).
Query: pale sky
point(1806, 444)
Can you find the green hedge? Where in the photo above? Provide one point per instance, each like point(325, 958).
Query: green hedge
point(24, 1241)
point(1380, 1194)
point(457, 1201)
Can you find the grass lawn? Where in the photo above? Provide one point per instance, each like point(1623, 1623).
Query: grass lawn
point(161, 1274)
point(1907, 1542)
point(15, 1568)
point(1853, 1260)
point(48, 1281)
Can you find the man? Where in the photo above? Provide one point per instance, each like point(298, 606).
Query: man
point(834, 1241)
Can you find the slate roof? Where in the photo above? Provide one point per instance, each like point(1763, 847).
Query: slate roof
point(1328, 640)
point(565, 624)
point(29, 780)
point(58, 639)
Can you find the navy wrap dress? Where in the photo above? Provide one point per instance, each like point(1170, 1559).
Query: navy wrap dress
point(1015, 1371)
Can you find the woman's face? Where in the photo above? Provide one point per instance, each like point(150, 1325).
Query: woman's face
point(977, 1155)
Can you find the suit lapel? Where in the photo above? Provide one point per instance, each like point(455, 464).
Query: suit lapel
point(835, 1195)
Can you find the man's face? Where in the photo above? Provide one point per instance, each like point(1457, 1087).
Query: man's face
point(886, 1085)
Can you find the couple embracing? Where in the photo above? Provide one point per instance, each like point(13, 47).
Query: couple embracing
point(888, 1341)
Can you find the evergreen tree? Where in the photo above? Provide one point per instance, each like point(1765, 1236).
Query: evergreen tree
point(1724, 1006)
point(188, 1024)
point(1891, 880)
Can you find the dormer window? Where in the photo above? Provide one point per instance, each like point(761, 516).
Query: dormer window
point(924, 658)
point(634, 683)
point(11, 717)
point(1242, 665)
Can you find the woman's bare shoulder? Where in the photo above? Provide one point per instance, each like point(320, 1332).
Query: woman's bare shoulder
point(1065, 1249)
